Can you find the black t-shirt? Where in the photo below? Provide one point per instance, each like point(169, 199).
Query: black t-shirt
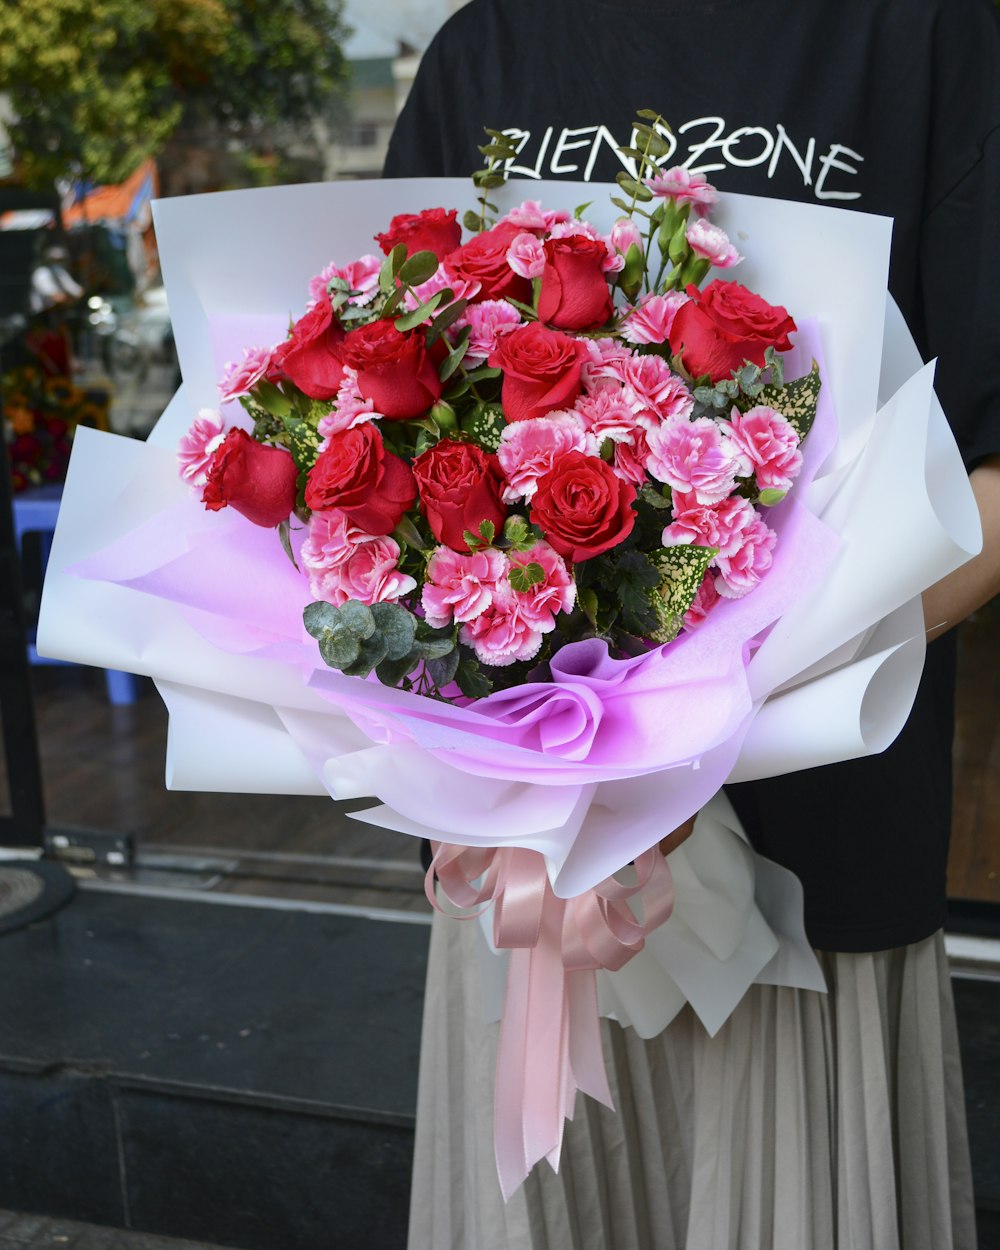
point(887, 106)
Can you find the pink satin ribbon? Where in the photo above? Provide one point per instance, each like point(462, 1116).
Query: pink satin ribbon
point(550, 1041)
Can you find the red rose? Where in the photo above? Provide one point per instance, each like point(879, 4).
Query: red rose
point(395, 370)
point(460, 487)
point(541, 371)
point(724, 325)
point(484, 260)
point(356, 474)
point(258, 481)
point(574, 293)
point(582, 507)
point(433, 230)
point(312, 357)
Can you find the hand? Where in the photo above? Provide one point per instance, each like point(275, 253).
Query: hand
point(679, 835)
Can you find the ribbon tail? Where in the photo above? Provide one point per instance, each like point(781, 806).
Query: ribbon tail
point(531, 1060)
point(586, 1056)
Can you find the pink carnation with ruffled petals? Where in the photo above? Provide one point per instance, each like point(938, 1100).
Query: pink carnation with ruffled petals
point(739, 574)
point(608, 413)
point(197, 448)
point(528, 449)
point(555, 593)
point(343, 562)
point(719, 525)
point(650, 320)
point(490, 321)
point(350, 408)
point(240, 377)
point(704, 601)
point(460, 586)
point(712, 243)
point(692, 457)
point(654, 385)
point(526, 255)
point(531, 216)
point(361, 275)
point(630, 457)
point(502, 634)
point(604, 356)
point(769, 442)
point(684, 187)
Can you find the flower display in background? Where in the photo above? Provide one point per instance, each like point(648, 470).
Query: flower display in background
point(41, 414)
point(534, 437)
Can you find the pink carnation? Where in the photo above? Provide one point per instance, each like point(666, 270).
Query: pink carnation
point(684, 187)
point(240, 377)
point(608, 413)
point(531, 216)
point(704, 601)
point(692, 457)
point(719, 525)
point(555, 593)
point(739, 574)
point(530, 448)
point(526, 255)
point(712, 243)
point(349, 409)
point(461, 586)
point(654, 385)
point(197, 448)
point(490, 321)
point(343, 562)
point(503, 633)
point(360, 275)
point(603, 358)
point(650, 320)
point(769, 442)
point(625, 233)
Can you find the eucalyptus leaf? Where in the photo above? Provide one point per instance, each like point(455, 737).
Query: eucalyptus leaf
point(442, 669)
point(358, 618)
point(418, 268)
point(393, 672)
point(410, 320)
point(339, 649)
point(397, 628)
point(319, 617)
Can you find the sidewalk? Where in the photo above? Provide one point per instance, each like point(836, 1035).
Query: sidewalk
point(33, 1232)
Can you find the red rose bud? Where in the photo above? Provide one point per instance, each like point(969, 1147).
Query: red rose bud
point(725, 324)
point(582, 507)
point(433, 230)
point(394, 369)
point(312, 356)
point(358, 476)
point(574, 294)
point(483, 260)
point(258, 481)
point(541, 371)
point(460, 487)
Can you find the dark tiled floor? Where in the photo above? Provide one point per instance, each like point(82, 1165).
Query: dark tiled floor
point(35, 1232)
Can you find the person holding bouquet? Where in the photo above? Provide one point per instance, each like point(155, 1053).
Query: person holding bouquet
point(809, 1122)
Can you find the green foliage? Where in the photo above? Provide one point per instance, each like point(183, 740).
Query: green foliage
point(681, 570)
point(96, 86)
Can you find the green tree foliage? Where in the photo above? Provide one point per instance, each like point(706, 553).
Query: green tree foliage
point(97, 85)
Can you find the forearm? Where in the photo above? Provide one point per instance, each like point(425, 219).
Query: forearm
point(952, 599)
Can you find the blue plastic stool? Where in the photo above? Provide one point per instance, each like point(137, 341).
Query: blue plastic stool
point(35, 512)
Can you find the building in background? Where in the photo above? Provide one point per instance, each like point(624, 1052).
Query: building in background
point(388, 39)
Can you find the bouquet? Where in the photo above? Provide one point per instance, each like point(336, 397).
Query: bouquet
point(541, 616)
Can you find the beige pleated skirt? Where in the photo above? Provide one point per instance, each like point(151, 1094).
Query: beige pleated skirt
point(810, 1122)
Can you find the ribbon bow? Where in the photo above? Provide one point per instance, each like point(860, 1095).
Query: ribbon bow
point(550, 1042)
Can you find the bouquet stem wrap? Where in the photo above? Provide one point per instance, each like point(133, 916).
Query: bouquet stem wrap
point(550, 1043)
